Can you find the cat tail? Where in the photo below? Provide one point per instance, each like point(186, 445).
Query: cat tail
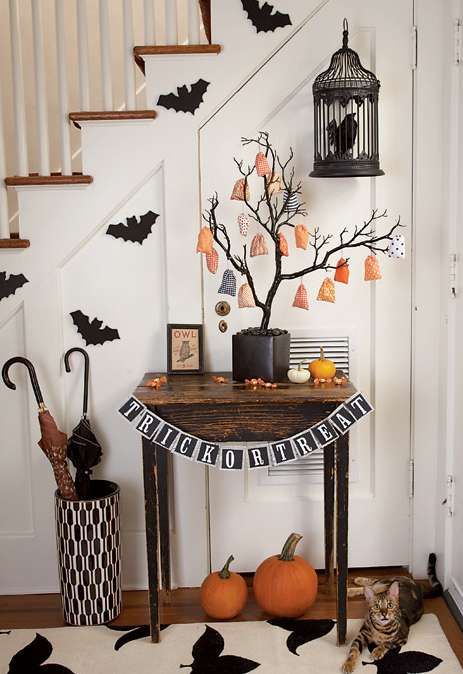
point(436, 587)
point(364, 582)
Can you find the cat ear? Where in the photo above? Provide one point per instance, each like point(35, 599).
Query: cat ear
point(394, 590)
point(369, 594)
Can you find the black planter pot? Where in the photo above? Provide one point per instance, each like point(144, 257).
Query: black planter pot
point(264, 356)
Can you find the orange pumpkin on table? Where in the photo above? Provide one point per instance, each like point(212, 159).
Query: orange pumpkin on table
point(286, 585)
point(322, 368)
point(224, 593)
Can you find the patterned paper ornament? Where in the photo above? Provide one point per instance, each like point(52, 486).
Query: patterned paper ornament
point(205, 240)
point(397, 246)
point(243, 224)
point(262, 165)
point(212, 261)
point(301, 234)
point(245, 297)
point(372, 270)
point(258, 246)
point(291, 201)
point(327, 292)
point(283, 245)
point(228, 285)
point(239, 192)
point(273, 184)
point(301, 298)
point(341, 274)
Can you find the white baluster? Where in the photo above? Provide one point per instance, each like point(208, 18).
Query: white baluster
point(82, 47)
point(128, 56)
point(4, 224)
point(18, 90)
point(105, 47)
point(193, 22)
point(65, 150)
point(149, 22)
point(40, 89)
point(171, 22)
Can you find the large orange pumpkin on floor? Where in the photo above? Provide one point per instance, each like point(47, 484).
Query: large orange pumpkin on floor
point(286, 585)
point(224, 593)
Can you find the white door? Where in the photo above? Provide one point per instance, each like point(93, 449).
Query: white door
point(365, 318)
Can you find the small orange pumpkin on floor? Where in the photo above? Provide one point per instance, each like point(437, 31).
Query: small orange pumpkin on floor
point(224, 593)
point(286, 585)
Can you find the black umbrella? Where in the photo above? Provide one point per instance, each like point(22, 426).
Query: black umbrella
point(84, 450)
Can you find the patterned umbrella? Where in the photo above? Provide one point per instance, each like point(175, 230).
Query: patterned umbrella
point(84, 450)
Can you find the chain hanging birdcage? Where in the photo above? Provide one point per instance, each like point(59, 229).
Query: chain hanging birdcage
point(346, 117)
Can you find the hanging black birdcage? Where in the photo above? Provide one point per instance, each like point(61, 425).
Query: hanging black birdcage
point(346, 117)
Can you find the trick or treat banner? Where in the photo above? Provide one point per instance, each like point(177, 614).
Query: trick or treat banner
point(261, 454)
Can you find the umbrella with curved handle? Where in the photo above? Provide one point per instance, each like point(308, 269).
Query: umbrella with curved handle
point(53, 442)
point(67, 366)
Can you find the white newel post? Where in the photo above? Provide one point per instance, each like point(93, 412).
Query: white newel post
point(40, 89)
point(82, 48)
point(129, 74)
point(18, 90)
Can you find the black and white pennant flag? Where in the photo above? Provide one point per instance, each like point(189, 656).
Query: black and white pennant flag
point(342, 419)
point(231, 458)
point(282, 452)
point(324, 432)
point(359, 406)
point(166, 435)
point(131, 409)
point(304, 443)
point(208, 453)
point(148, 424)
point(258, 457)
point(186, 445)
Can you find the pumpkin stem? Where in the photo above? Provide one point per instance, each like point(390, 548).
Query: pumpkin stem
point(225, 573)
point(322, 353)
point(289, 548)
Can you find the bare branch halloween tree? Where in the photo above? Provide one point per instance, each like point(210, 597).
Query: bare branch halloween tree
point(272, 213)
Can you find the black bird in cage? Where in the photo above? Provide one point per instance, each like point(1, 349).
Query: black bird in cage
point(343, 136)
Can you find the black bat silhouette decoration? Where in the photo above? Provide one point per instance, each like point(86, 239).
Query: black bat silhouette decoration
point(262, 18)
point(134, 231)
point(8, 286)
point(207, 658)
point(302, 631)
point(408, 662)
point(92, 331)
point(184, 100)
point(133, 632)
point(30, 659)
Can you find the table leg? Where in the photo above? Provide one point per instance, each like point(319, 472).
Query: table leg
point(162, 461)
point(342, 505)
point(150, 478)
point(328, 467)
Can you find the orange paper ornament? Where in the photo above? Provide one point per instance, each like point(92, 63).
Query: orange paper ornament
point(327, 292)
point(301, 234)
point(283, 245)
point(245, 297)
point(273, 184)
point(205, 240)
point(212, 261)
point(341, 274)
point(240, 191)
point(372, 270)
point(301, 298)
point(258, 246)
point(262, 165)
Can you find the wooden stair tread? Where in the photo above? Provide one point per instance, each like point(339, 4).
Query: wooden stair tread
point(150, 50)
point(14, 242)
point(52, 179)
point(110, 115)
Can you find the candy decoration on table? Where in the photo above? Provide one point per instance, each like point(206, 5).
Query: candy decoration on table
point(212, 261)
point(245, 297)
point(301, 298)
point(327, 292)
point(397, 246)
point(283, 245)
point(262, 165)
point(291, 202)
point(341, 275)
point(273, 184)
point(258, 246)
point(301, 234)
point(205, 240)
point(241, 191)
point(372, 270)
point(228, 285)
point(243, 224)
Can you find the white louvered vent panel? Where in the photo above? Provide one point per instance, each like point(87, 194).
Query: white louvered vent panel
point(307, 349)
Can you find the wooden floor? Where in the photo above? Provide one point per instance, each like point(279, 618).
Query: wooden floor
point(182, 606)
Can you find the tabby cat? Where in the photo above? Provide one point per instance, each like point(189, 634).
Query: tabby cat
point(393, 605)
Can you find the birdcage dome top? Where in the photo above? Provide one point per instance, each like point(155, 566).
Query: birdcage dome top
point(345, 70)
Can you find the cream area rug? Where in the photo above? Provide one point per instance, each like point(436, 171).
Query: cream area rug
point(273, 647)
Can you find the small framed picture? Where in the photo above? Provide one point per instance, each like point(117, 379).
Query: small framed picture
point(185, 349)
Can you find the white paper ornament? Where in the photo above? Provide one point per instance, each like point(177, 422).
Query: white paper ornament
point(397, 246)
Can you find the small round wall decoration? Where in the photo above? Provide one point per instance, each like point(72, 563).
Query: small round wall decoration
point(222, 308)
point(223, 326)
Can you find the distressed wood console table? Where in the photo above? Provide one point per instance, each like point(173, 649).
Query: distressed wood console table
point(233, 412)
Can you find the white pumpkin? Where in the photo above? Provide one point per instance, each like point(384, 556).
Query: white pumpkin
point(298, 375)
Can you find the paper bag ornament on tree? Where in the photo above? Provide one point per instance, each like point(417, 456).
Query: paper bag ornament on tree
point(262, 165)
point(301, 234)
point(327, 291)
point(241, 191)
point(301, 298)
point(372, 270)
point(341, 274)
point(397, 246)
point(212, 261)
point(243, 224)
point(291, 202)
point(273, 184)
point(228, 285)
point(245, 297)
point(258, 246)
point(205, 240)
point(283, 244)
